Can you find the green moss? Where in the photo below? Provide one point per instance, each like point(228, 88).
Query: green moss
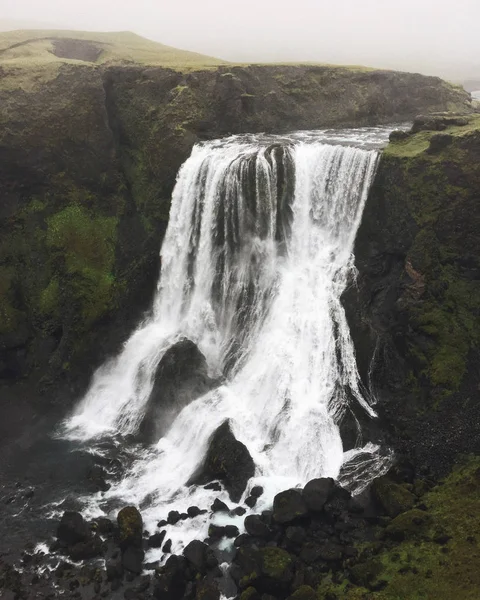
point(85, 250)
point(249, 593)
point(9, 315)
point(439, 555)
point(394, 498)
point(305, 592)
point(50, 298)
point(276, 562)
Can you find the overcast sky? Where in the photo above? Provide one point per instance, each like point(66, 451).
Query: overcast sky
point(432, 35)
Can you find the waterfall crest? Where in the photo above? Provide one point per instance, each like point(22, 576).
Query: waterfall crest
point(256, 256)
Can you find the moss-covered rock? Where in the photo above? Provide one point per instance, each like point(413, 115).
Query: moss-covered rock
point(304, 592)
point(409, 525)
point(393, 497)
point(130, 525)
point(415, 314)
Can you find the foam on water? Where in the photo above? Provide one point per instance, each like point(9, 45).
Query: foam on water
point(256, 256)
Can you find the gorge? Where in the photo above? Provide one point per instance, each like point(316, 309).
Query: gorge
point(316, 316)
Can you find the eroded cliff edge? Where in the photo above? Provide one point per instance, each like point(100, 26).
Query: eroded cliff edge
point(88, 160)
point(415, 311)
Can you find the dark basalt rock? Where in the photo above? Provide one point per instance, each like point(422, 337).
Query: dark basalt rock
point(171, 579)
point(219, 506)
point(85, 550)
point(156, 540)
point(130, 525)
point(132, 559)
point(227, 460)
point(197, 554)
point(256, 527)
point(181, 376)
point(256, 491)
point(289, 506)
point(317, 492)
point(173, 517)
point(73, 529)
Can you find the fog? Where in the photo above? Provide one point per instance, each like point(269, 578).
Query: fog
point(432, 36)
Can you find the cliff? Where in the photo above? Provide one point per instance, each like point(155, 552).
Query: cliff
point(415, 312)
point(89, 151)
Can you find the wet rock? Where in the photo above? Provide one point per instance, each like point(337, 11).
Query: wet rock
point(114, 570)
point(256, 491)
point(398, 135)
point(219, 506)
point(130, 525)
point(181, 376)
point(251, 501)
point(196, 554)
point(250, 594)
point(338, 503)
point(194, 511)
point(156, 540)
point(85, 550)
point(256, 527)
point(217, 532)
point(317, 492)
point(73, 529)
point(171, 579)
point(167, 547)
point(103, 526)
point(239, 511)
point(132, 559)
point(173, 517)
point(229, 461)
point(214, 487)
point(289, 506)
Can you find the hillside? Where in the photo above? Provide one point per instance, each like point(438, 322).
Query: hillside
point(30, 47)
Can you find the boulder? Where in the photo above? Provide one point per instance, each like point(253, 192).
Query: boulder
point(392, 497)
point(256, 527)
point(317, 492)
point(73, 529)
point(196, 554)
point(219, 506)
point(130, 525)
point(289, 506)
point(156, 540)
point(227, 460)
point(91, 548)
point(180, 378)
point(132, 559)
point(171, 579)
point(304, 592)
point(408, 525)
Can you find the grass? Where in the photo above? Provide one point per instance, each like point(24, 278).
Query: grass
point(26, 47)
point(416, 144)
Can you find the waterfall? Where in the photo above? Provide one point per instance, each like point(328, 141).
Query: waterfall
point(256, 256)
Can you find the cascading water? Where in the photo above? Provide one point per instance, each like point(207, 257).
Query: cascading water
point(257, 254)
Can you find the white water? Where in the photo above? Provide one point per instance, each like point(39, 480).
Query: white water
point(230, 239)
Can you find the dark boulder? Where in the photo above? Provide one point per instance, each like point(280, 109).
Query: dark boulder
point(269, 570)
point(289, 506)
point(217, 532)
point(207, 590)
point(317, 492)
point(256, 491)
point(167, 547)
point(256, 527)
point(196, 554)
point(171, 579)
point(338, 503)
point(132, 559)
point(173, 517)
point(392, 497)
point(130, 526)
point(194, 511)
point(156, 540)
point(181, 377)
point(229, 461)
point(103, 526)
point(73, 529)
point(219, 506)
point(86, 550)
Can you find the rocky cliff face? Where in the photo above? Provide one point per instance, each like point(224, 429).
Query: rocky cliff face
point(88, 159)
point(415, 313)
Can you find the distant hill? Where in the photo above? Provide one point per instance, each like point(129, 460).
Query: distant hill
point(40, 46)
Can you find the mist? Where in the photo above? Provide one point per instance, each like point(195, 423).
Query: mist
point(428, 36)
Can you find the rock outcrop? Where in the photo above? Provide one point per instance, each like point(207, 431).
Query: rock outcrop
point(88, 159)
point(415, 311)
